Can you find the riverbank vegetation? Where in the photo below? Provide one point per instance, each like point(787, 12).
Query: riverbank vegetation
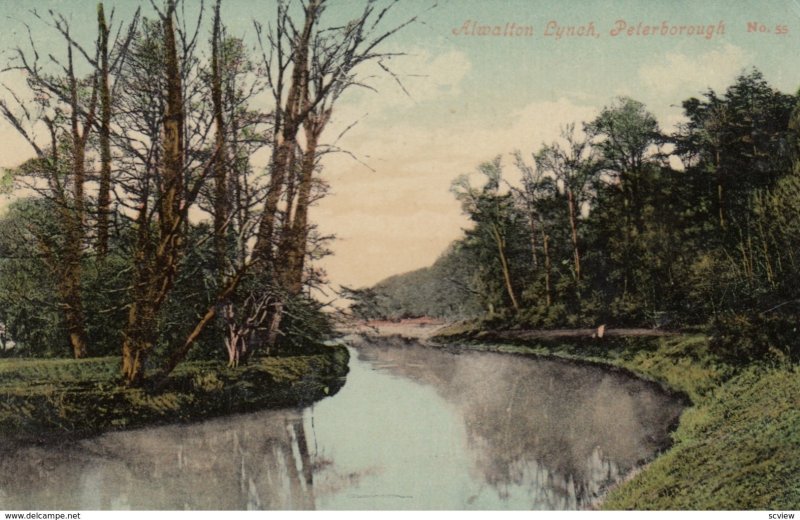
point(618, 224)
point(145, 226)
point(622, 224)
point(58, 400)
point(736, 445)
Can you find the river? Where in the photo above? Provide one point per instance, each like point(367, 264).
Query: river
point(413, 428)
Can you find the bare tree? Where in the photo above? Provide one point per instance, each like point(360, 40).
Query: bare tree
point(104, 190)
point(307, 68)
point(176, 133)
point(169, 163)
point(157, 260)
point(61, 102)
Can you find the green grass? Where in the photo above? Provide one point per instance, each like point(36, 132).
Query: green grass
point(28, 371)
point(736, 448)
point(55, 400)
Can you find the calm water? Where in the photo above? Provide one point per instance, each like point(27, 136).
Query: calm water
point(413, 428)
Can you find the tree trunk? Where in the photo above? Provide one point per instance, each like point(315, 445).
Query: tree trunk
point(266, 228)
point(74, 222)
point(78, 150)
point(628, 238)
point(139, 341)
point(282, 159)
point(138, 334)
point(74, 318)
point(573, 224)
point(296, 252)
point(104, 190)
point(156, 269)
point(504, 266)
point(532, 223)
point(547, 266)
point(274, 327)
point(286, 138)
point(220, 166)
point(283, 263)
point(172, 143)
point(720, 192)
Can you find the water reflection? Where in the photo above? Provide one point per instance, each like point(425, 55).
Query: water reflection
point(245, 463)
point(413, 428)
point(551, 433)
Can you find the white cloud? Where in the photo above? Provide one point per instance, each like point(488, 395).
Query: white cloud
point(425, 76)
point(541, 122)
point(683, 75)
point(456, 144)
point(401, 216)
point(665, 83)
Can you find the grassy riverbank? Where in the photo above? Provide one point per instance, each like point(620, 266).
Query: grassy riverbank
point(737, 447)
point(53, 400)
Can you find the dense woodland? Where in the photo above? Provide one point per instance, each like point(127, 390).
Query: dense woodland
point(148, 229)
point(619, 223)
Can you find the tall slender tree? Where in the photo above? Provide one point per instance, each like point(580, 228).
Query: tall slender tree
point(69, 115)
point(104, 189)
point(573, 165)
point(493, 214)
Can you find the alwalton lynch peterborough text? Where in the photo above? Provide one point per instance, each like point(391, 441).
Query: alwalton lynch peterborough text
point(620, 29)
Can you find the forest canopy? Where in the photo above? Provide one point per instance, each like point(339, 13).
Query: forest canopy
point(618, 222)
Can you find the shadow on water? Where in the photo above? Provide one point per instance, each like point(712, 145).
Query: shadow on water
point(241, 463)
point(413, 428)
point(549, 433)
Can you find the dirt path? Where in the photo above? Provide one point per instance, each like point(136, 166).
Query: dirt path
point(581, 333)
point(424, 328)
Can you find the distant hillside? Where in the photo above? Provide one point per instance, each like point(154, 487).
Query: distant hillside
point(440, 291)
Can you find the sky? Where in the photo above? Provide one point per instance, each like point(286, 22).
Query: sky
point(473, 97)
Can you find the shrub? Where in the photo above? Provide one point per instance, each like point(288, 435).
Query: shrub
point(741, 339)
